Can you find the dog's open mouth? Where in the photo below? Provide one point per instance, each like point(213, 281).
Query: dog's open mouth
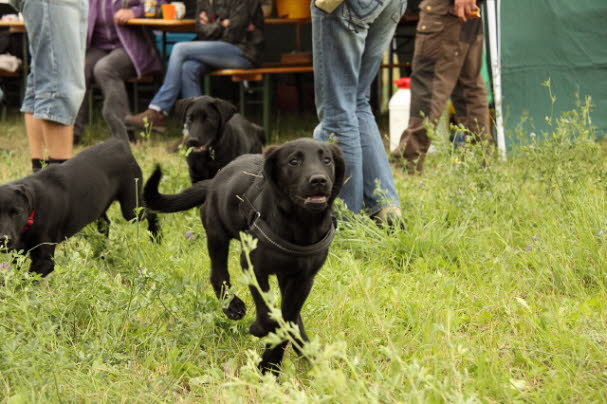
point(316, 200)
point(199, 149)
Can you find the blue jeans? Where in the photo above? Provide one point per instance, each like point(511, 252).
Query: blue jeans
point(56, 30)
point(348, 45)
point(190, 60)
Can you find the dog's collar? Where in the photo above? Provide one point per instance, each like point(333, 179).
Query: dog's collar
point(30, 221)
point(260, 229)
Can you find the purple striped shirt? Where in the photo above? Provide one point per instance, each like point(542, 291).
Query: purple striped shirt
point(105, 35)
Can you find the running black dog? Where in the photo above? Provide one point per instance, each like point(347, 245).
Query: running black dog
point(284, 199)
point(45, 208)
point(215, 134)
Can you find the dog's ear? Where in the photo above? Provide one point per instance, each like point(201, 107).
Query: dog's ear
point(340, 170)
point(226, 111)
point(26, 193)
point(182, 106)
point(269, 166)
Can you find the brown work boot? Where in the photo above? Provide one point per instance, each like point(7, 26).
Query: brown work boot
point(412, 152)
point(149, 118)
point(389, 216)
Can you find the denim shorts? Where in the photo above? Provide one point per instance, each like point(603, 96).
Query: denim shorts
point(56, 30)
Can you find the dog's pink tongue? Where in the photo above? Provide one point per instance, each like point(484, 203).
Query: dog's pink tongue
point(316, 199)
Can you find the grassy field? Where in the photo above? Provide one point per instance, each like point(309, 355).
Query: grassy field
point(495, 292)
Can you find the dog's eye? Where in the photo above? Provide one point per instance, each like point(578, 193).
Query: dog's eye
point(13, 212)
point(327, 160)
point(294, 162)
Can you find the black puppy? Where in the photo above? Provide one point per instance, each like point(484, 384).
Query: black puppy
point(283, 199)
point(216, 135)
point(45, 208)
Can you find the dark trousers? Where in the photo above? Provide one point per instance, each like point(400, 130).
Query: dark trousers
point(446, 64)
point(110, 69)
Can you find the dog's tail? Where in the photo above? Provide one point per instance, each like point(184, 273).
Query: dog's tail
point(187, 199)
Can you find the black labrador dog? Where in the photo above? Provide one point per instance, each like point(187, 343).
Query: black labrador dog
point(283, 198)
point(215, 135)
point(45, 208)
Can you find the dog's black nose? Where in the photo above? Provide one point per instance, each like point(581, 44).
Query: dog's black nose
point(318, 180)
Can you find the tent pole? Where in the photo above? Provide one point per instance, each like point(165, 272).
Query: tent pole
point(492, 13)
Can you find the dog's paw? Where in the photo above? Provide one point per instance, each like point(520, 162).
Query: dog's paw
point(236, 309)
point(261, 329)
point(269, 367)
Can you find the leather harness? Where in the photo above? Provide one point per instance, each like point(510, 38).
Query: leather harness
point(260, 229)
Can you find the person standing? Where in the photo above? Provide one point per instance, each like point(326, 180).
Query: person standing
point(116, 52)
point(56, 31)
point(446, 63)
point(348, 44)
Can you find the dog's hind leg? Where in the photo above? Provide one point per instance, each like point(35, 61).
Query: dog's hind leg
point(131, 202)
point(103, 225)
point(42, 259)
point(232, 306)
point(153, 224)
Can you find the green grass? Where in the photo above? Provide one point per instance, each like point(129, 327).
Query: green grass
point(495, 292)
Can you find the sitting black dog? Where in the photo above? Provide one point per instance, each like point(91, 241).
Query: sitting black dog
point(45, 208)
point(216, 135)
point(283, 199)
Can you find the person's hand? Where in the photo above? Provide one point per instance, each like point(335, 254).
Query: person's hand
point(251, 28)
point(464, 7)
point(225, 23)
point(204, 18)
point(123, 15)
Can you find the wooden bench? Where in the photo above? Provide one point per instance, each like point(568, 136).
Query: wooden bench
point(261, 74)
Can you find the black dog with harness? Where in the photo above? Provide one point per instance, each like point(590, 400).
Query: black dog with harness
point(284, 199)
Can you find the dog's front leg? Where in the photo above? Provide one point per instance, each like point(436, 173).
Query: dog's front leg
point(103, 225)
point(294, 291)
point(220, 278)
point(43, 259)
point(263, 324)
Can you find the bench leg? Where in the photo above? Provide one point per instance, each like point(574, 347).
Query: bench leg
point(136, 96)
point(241, 97)
point(267, 100)
point(207, 85)
point(89, 95)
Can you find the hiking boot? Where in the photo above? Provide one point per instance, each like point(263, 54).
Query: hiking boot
point(389, 216)
point(153, 119)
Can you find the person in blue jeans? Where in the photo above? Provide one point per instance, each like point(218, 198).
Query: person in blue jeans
point(348, 44)
point(56, 31)
point(230, 35)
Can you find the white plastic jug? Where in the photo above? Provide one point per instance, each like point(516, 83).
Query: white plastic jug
point(399, 107)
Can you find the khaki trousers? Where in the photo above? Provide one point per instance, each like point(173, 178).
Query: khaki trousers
point(446, 64)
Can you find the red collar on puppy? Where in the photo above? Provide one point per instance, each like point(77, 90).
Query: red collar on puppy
point(30, 221)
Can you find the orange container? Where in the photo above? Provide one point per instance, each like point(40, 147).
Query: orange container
point(293, 8)
point(168, 12)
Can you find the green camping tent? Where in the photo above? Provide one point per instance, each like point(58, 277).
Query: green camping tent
point(561, 40)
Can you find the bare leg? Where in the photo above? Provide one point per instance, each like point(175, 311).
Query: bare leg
point(35, 136)
point(59, 139)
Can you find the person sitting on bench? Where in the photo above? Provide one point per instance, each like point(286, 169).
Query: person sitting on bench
point(115, 52)
point(230, 36)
